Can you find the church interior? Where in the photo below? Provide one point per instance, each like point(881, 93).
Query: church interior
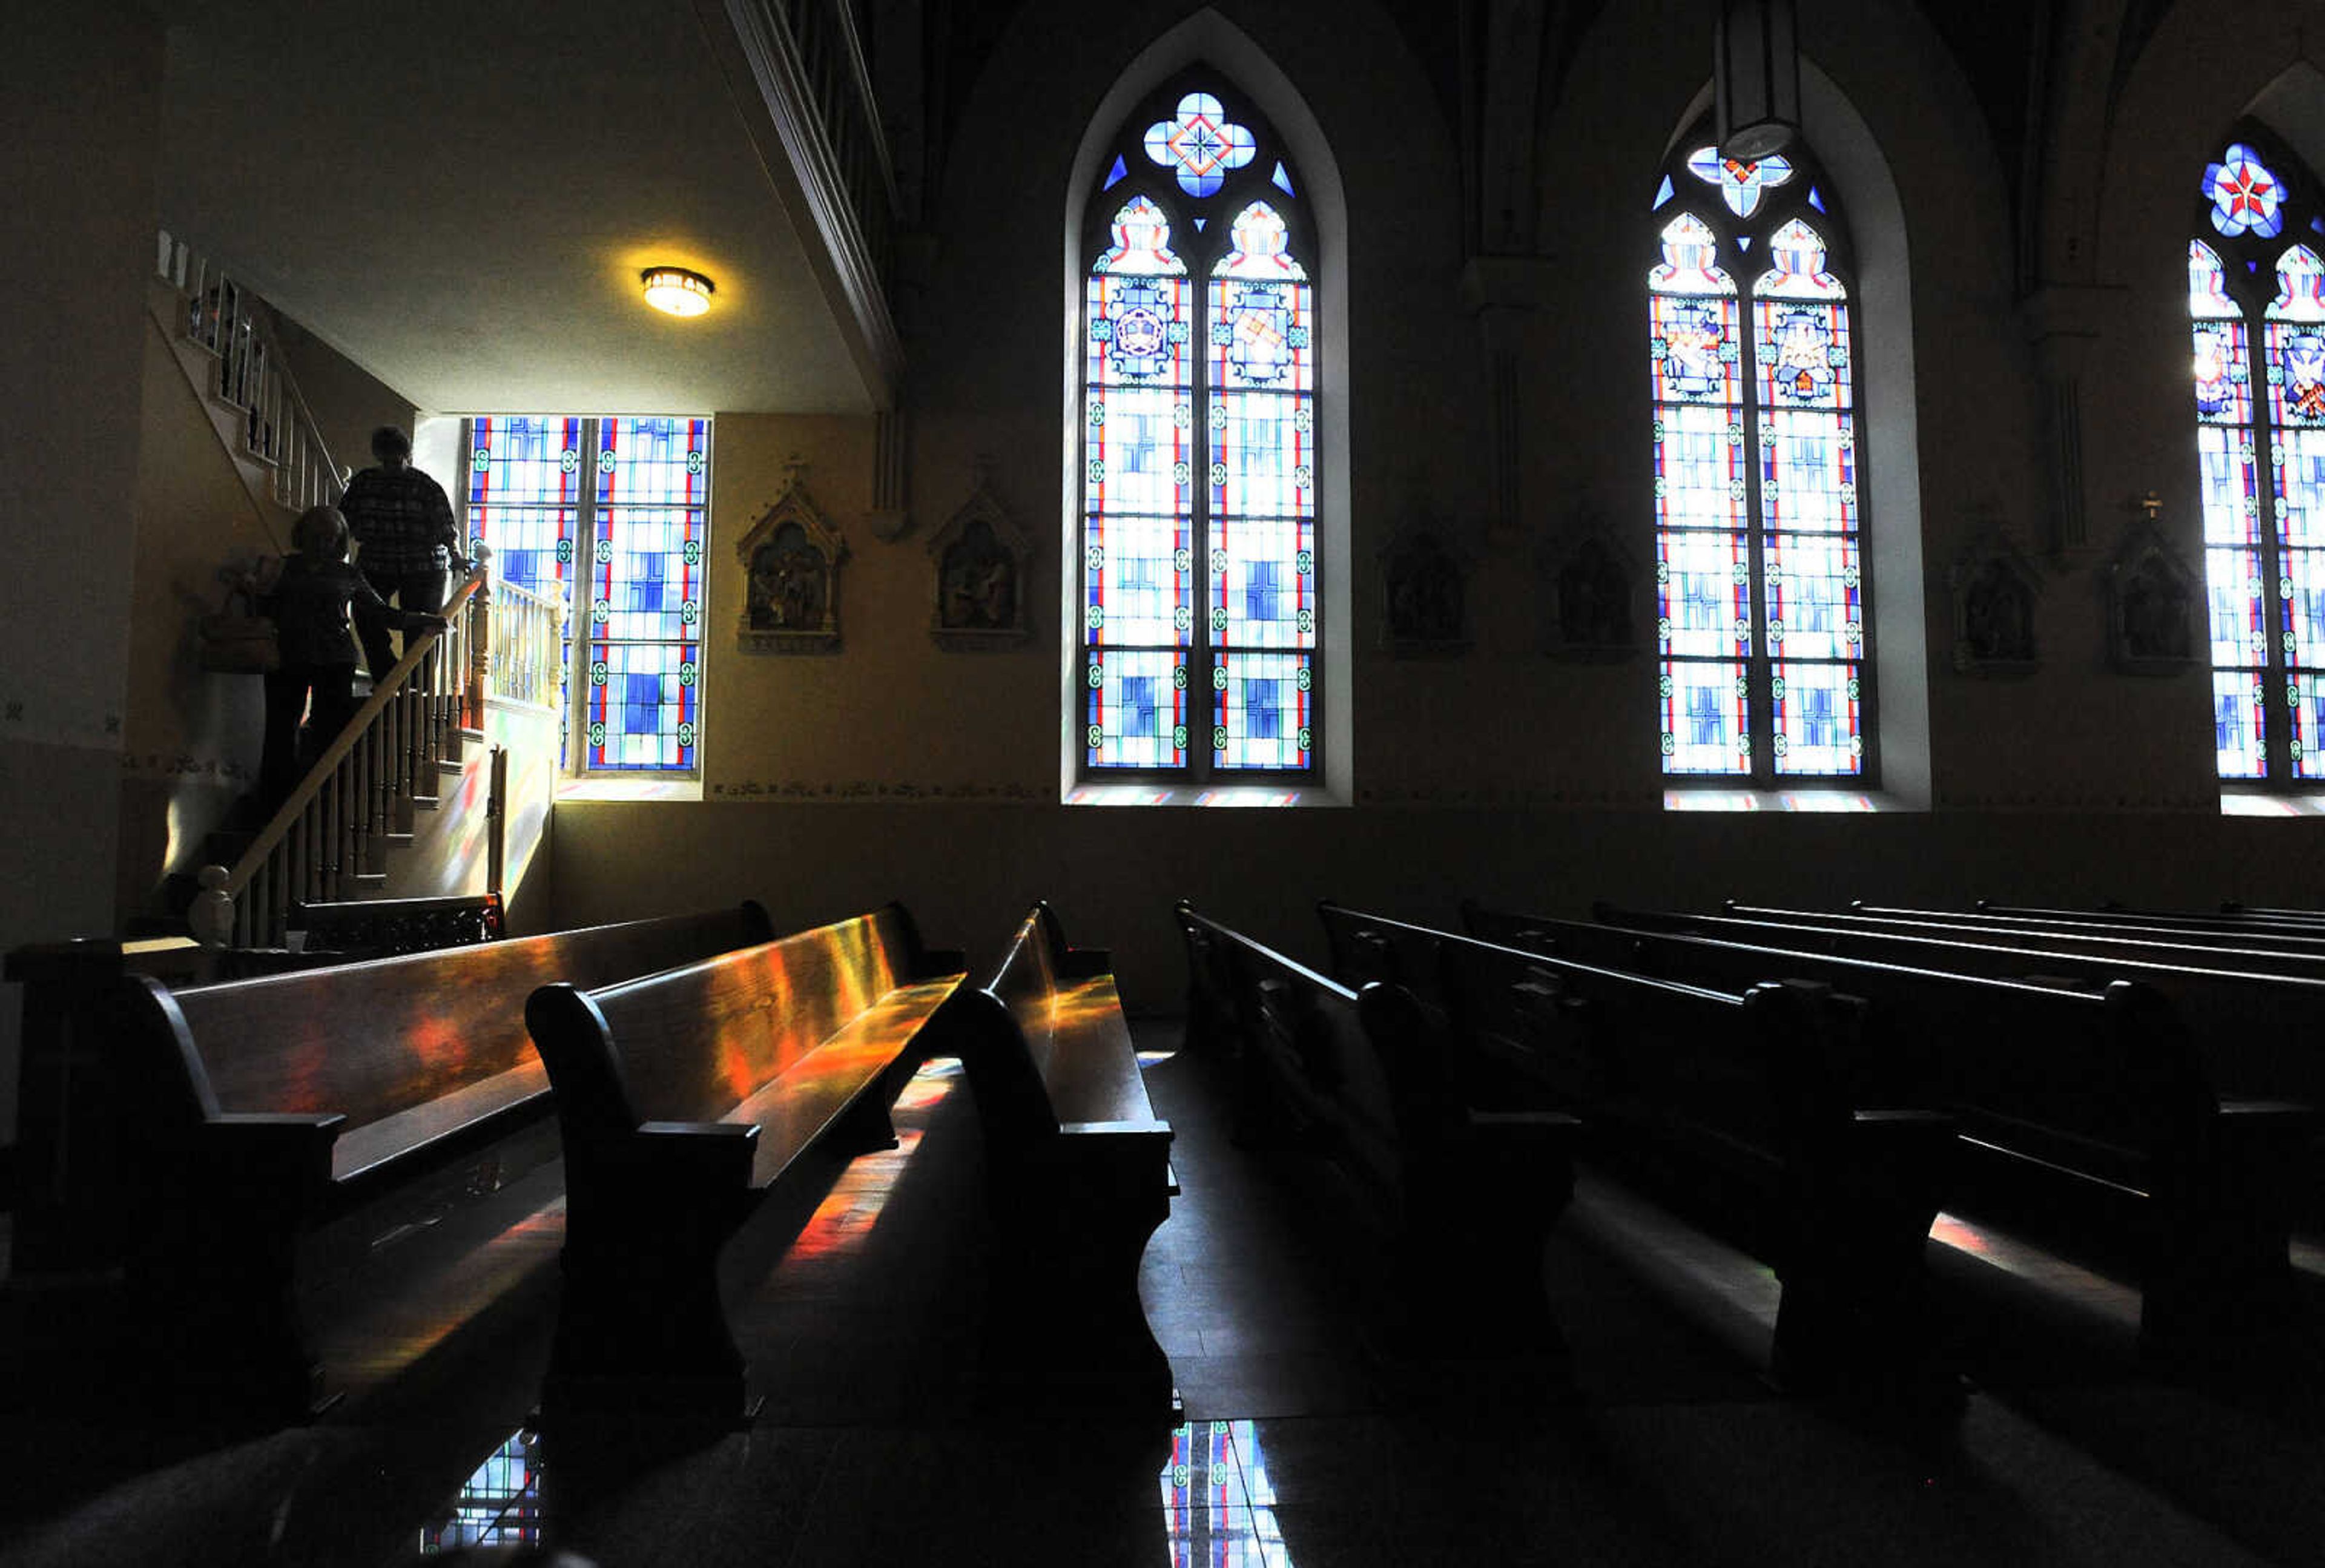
point(1685, 526)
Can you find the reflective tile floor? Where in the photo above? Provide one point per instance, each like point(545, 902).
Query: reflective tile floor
point(1306, 1441)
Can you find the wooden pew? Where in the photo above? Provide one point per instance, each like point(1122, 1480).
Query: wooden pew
point(257, 1133)
point(688, 1100)
point(2098, 1099)
point(2295, 944)
point(385, 927)
point(2227, 918)
point(2088, 943)
point(1466, 1193)
point(2257, 1031)
point(1739, 1102)
point(1078, 1177)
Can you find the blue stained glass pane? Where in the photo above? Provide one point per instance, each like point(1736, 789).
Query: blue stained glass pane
point(1740, 185)
point(1200, 144)
point(1283, 182)
point(1261, 596)
point(1703, 593)
point(1263, 714)
point(2306, 700)
point(653, 462)
point(1699, 468)
point(1816, 198)
point(1115, 175)
point(643, 716)
point(2233, 591)
point(2304, 607)
point(1704, 725)
point(1808, 470)
point(1138, 578)
point(2241, 750)
point(2301, 485)
point(1135, 716)
point(1815, 597)
point(1662, 194)
point(1818, 720)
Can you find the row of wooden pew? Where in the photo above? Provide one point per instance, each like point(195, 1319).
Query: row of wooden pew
point(1818, 1087)
point(224, 1146)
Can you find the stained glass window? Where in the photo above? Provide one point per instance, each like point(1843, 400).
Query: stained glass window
point(611, 517)
point(1760, 561)
point(2257, 322)
point(1199, 582)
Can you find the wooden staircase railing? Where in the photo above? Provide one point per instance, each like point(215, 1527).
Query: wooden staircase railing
point(227, 320)
point(391, 756)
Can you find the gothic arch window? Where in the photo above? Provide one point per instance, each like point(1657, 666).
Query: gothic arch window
point(1199, 604)
point(2256, 309)
point(1761, 575)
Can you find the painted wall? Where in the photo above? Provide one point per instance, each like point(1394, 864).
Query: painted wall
point(891, 768)
point(81, 86)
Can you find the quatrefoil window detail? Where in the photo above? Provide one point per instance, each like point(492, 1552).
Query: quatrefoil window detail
point(1201, 143)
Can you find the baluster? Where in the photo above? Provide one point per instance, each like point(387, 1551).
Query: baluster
point(343, 783)
point(278, 879)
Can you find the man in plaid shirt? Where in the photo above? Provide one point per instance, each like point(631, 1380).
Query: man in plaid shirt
point(403, 524)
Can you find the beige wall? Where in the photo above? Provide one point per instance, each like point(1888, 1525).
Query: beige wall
point(894, 769)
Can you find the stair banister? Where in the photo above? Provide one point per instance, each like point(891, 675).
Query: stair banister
point(400, 732)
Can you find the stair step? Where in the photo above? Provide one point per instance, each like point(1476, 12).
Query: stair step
point(367, 878)
point(424, 802)
point(396, 841)
point(451, 766)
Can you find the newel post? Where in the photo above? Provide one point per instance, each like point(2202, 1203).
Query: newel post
point(211, 916)
point(480, 638)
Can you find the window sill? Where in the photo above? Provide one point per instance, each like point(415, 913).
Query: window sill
point(1801, 800)
point(1138, 794)
point(629, 789)
point(2257, 803)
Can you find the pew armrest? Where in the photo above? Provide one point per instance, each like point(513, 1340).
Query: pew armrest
point(1083, 963)
point(717, 1152)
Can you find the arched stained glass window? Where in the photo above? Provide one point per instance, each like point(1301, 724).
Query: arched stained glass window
point(2256, 312)
point(1759, 537)
point(1199, 581)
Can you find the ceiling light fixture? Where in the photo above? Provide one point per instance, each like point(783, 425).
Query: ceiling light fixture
point(676, 291)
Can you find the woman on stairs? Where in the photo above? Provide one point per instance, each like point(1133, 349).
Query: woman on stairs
point(308, 593)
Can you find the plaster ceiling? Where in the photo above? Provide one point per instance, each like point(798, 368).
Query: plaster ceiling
point(460, 196)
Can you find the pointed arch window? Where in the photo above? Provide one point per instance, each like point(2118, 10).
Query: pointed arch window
point(1200, 602)
point(1760, 542)
point(2257, 310)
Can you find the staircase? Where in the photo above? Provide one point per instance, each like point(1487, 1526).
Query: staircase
point(223, 336)
point(408, 747)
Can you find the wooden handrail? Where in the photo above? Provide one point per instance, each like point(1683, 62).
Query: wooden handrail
point(279, 826)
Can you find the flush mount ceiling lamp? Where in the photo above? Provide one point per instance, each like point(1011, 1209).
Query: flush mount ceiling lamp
point(1756, 79)
point(676, 291)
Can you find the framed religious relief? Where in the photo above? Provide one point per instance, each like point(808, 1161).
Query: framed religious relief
point(977, 563)
point(1995, 589)
point(792, 558)
point(1593, 589)
point(2152, 600)
point(1425, 584)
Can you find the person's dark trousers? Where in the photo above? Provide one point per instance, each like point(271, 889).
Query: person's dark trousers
point(333, 686)
point(411, 590)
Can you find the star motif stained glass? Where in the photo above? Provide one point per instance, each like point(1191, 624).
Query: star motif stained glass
point(2245, 196)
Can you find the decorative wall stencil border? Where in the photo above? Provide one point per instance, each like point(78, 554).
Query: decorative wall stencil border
point(26, 718)
point(2087, 801)
point(156, 765)
point(849, 791)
